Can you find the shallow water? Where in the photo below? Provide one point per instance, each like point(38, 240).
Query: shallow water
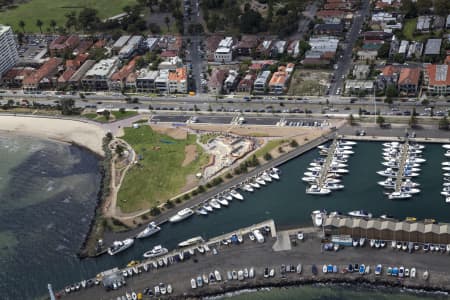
point(47, 198)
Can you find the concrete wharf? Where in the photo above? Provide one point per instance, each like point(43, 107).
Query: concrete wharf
point(326, 165)
point(401, 166)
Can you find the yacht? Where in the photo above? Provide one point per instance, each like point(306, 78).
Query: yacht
point(181, 215)
point(333, 186)
point(399, 195)
point(247, 188)
point(151, 229)
point(309, 179)
point(201, 211)
point(236, 195)
point(155, 252)
point(213, 202)
point(266, 177)
point(274, 175)
point(446, 163)
point(337, 170)
point(388, 183)
point(119, 246)
point(191, 241)
point(332, 180)
point(260, 181)
point(316, 190)
point(254, 184)
point(446, 146)
point(314, 169)
point(388, 173)
point(360, 213)
point(208, 207)
point(346, 143)
point(222, 201)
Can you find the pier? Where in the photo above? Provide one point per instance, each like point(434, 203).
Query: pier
point(326, 165)
point(401, 166)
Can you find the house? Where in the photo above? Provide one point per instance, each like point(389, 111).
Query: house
point(329, 29)
point(415, 50)
point(246, 45)
point(75, 80)
point(408, 81)
point(145, 81)
point(224, 52)
point(118, 79)
point(171, 63)
point(433, 47)
point(389, 76)
point(361, 71)
point(278, 82)
point(278, 48)
point(359, 86)
point(246, 83)
point(97, 78)
point(162, 81)
point(215, 83)
point(230, 82)
point(403, 49)
point(326, 15)
point(83, 47)
point(377, 35)
point(293, 48)
point(44, 77)
point(72, 66)
point(63, 45)
point(261, 81)
point(14, 77)
point(133, 45)
point(178, 81)
point(437, 79)
point(119, 44)
point(365, 55)
point(263, 49)
point(423, 23)
point(438, 23)
point(211, 44)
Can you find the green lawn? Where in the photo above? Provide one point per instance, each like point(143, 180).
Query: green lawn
point(47, 10)
point(117, 116)
point(123, 115)
point(409, 27)
point(159, 174)
point(272, 144)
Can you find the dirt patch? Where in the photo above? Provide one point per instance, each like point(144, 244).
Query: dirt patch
point(191, 182)
point(190, 154)
point(176, 133)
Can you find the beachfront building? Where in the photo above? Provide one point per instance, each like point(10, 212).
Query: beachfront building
point(162, 81)
point(97, 78)
point(145, 81)
point(224, 52)
point(8, 49)
point(437, 79)
point(178, 81)
point(278, 82)
point(261, 81)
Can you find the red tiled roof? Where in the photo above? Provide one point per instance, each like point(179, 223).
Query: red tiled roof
point(66, 75)
point(168, 53)
point(330, 14)
point(49, 67)
point(99, 44)
point(390, 70)
point(126, 70)
point(432, 80)
point(409, 76)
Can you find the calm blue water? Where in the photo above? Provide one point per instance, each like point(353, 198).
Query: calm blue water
point(57, 227)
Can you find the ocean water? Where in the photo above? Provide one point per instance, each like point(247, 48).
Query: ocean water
point(48, 192)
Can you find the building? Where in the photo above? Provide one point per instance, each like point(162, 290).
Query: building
point(293, 48)
point(433, 47)
point(8, 49)
point(329, 29)
point(215, 83)
point(117, 81)
point(224, 52)
point(278, 48)
point(133, 44)
point(162, 81)
point(229, 84)
point(145, 81)
point(211, 44)
point(415, 50)
point(171, 63)
point(75, 80)
point(367, 55)
point(403, 49)
point(246, 83)
point(361, 71)
point(63, 45)
point(408, 81)
point(389, 76)
point(14, 77)
point(97, 78)
point(359, 86)
point(44, 77)
point(178, 81)
point(119, 44)
point(447, 23)
point(437, 79)
point(246, 45)
point(261, 81)
point(278, 82)
point(423, 23)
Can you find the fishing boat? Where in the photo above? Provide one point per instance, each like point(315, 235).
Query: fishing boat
point(191, 241)
point(181, 215)
point(236, 195)
point(157, 250)
point(119, 246)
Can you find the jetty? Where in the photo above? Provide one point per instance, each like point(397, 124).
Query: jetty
point(326, 165)
point(401, 166)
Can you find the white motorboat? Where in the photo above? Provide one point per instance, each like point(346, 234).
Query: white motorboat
point(391, 144)
point(372, 243)
point(316, 164)
point(409, 183)
point(318, 219)
point(447, 154)
point(316, 190)
point(201, 211)
point(314, 169)
point(446, 146)
point(191, 241)
point(266, 177)
point(389, 183)
point(260, 181)
point(149, 230)
point(309, 179)
point(445, 168)
point(409, 190)
point(362, 242)
point(119, 246)
point(417, 146)
point(360, 213)
point(323, 147)
point(407, 173)
point(214, 203)
point(337, 170)
point(332, 180)
point(417, 160)
point(388, 173)
point(447, 199)
point(276, 170)
point(333, 175)
point(445, 193)
point(227, 196)
point(254, 184)
point(446, 175)
point(236, 195)
point(346, 143)
point(446, 163)
point(156, 251)
point(248, 188)
point(274, 175)
point(222, 201)
point(208, 207)
point(335, 164)
point(181, 215)
point(399, 195)
point(412, 169)
point(333, 186)
point(343, 151)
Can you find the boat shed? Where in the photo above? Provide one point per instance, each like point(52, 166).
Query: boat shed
point(388, 230)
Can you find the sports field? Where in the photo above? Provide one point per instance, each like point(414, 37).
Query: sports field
point(47, 10)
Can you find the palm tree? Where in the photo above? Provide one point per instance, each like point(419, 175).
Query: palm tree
point(53, 25)
point(167, 21)
point(22, 25)
point(39, 24)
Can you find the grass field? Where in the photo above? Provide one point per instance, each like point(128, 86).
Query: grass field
point(308, 82)
point(409, 27)
point(116, 115)
point(272, 144)
point(47, 10)
point(159, 174)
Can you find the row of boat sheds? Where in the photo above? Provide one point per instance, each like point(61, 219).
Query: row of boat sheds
point(388, 230)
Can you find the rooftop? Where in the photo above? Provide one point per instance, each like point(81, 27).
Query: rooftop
point(409, 76)
point(103, 68)
point(179, 75)
point(438, 74)
point(433, 47)
point(49, 67)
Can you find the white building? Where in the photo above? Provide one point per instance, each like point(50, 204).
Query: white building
point(8, 49)
point(261, 82)
point(224, 52)
point(133, 44)
point(162, 81)
point(97, 78)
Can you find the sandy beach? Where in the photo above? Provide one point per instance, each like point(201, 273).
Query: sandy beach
point(77, 132)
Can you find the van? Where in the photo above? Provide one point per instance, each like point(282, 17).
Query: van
point(258, 235)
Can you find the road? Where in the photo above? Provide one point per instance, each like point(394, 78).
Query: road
point(344, 63)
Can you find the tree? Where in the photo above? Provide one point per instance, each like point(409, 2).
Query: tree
point(267, 156)
point(391, 91)
point(351, 120)
point(107, 114)
point(443, 123)
point(442, 7)
point(53, 25)
point(22, 25)
point(71, 20)
point(119, 149)
point(293, 144)
point(167, 21)
point(39, 24)
point(252, 22)
point(413, 121)
point(304, 46)
point(383, 51)
point(67, 106)
point(409, 8)
point(423, 6)
point(380, 120)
